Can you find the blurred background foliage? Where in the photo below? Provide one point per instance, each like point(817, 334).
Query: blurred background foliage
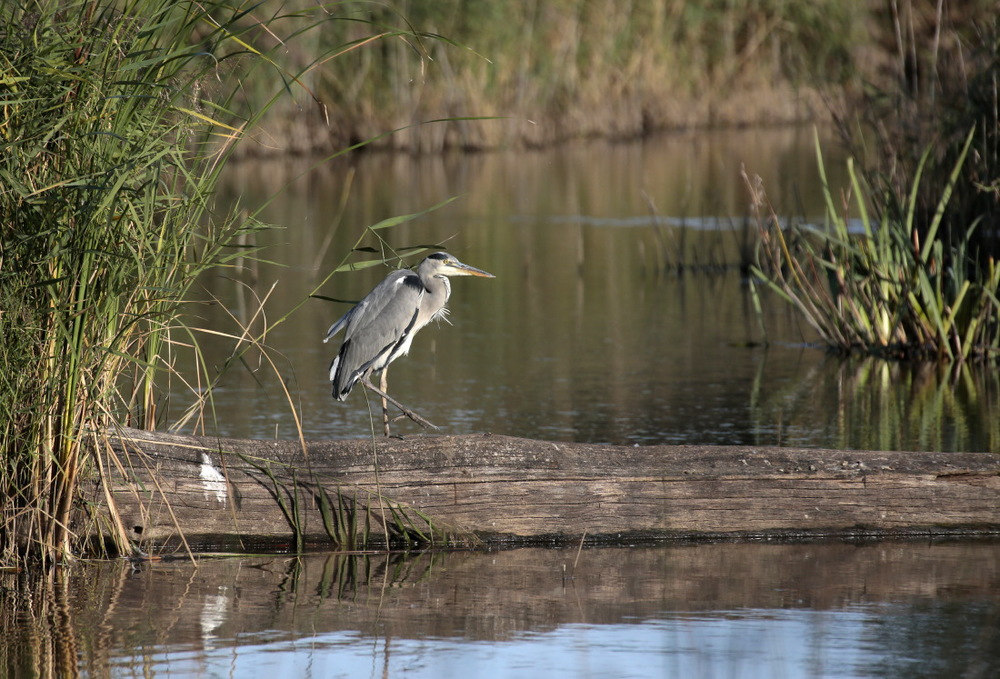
point(560, 69)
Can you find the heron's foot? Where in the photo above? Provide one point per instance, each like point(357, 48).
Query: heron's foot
point(416, 418)
point(384, 386)
point(406, 412)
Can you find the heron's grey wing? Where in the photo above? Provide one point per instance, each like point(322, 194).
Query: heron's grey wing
point(372, 303)
point(380, 322)
point(340, 323)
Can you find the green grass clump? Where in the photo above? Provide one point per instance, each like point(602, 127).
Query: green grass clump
point(108, 158)
point(886, 287)
point(116, 119)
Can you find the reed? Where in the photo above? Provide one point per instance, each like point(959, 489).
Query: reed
point(115, 121)
point(552, 70)
point(107, 183)
point(887, 287)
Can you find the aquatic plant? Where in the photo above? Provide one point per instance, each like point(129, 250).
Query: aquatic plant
point(116, 119)
point(907, 265)
point(552, 70)
point(108, 164)
point(886, 287)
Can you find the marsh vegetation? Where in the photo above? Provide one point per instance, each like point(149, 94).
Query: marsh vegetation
point(906, 264)
point(116, 119)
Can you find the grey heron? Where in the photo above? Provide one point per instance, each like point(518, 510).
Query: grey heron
point(381, 327)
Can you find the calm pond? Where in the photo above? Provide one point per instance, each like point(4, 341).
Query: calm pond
point(755, 611)
point(588, 333)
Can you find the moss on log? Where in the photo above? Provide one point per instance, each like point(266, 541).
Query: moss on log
point(227, 493)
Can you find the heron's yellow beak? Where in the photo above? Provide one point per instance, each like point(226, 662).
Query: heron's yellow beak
point(459, 269)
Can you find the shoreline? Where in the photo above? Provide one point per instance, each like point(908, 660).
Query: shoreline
point(429, 131)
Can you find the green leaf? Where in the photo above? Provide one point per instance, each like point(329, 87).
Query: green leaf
point(402, 219)
point(946, 195)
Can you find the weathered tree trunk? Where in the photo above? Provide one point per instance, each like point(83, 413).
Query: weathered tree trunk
point(225, 493)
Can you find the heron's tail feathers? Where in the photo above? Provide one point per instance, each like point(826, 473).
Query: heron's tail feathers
point(341, 386)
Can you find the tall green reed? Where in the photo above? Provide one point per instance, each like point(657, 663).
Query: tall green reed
point(116, 119)
point(110, 155)
point(106, 183)
point(891, 287)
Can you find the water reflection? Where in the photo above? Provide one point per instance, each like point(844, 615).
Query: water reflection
point(881, 405)
point(756, 610)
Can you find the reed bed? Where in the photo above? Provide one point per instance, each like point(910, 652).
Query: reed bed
point(546, 71)
point(108, 171)
point(907, 264)
point(549, 70)
point(115, 121)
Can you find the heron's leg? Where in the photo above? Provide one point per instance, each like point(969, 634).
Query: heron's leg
point(366, 380)
point(384, 385)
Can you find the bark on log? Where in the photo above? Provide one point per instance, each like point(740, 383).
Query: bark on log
point(227, 493)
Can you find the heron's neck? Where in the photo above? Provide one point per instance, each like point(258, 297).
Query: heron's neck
point(446, 287)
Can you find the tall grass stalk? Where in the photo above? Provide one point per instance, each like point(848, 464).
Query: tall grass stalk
point(891, 288)
point(116, 119)
point(106, 181)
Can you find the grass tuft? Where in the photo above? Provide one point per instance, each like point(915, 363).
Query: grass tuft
point(115, 121)
point(891, 287)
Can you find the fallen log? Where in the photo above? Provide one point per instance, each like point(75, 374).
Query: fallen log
point(160, 490)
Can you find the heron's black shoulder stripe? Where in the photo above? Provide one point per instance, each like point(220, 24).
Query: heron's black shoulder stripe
point(414, 282)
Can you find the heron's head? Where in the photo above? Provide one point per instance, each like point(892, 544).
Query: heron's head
point(443, 264)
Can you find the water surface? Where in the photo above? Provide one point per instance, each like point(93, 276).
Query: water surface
point(619, 313)
point(708, 610)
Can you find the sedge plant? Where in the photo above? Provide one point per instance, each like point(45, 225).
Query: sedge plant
point(105, 205)
point(888, 287)
point(116, 119)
